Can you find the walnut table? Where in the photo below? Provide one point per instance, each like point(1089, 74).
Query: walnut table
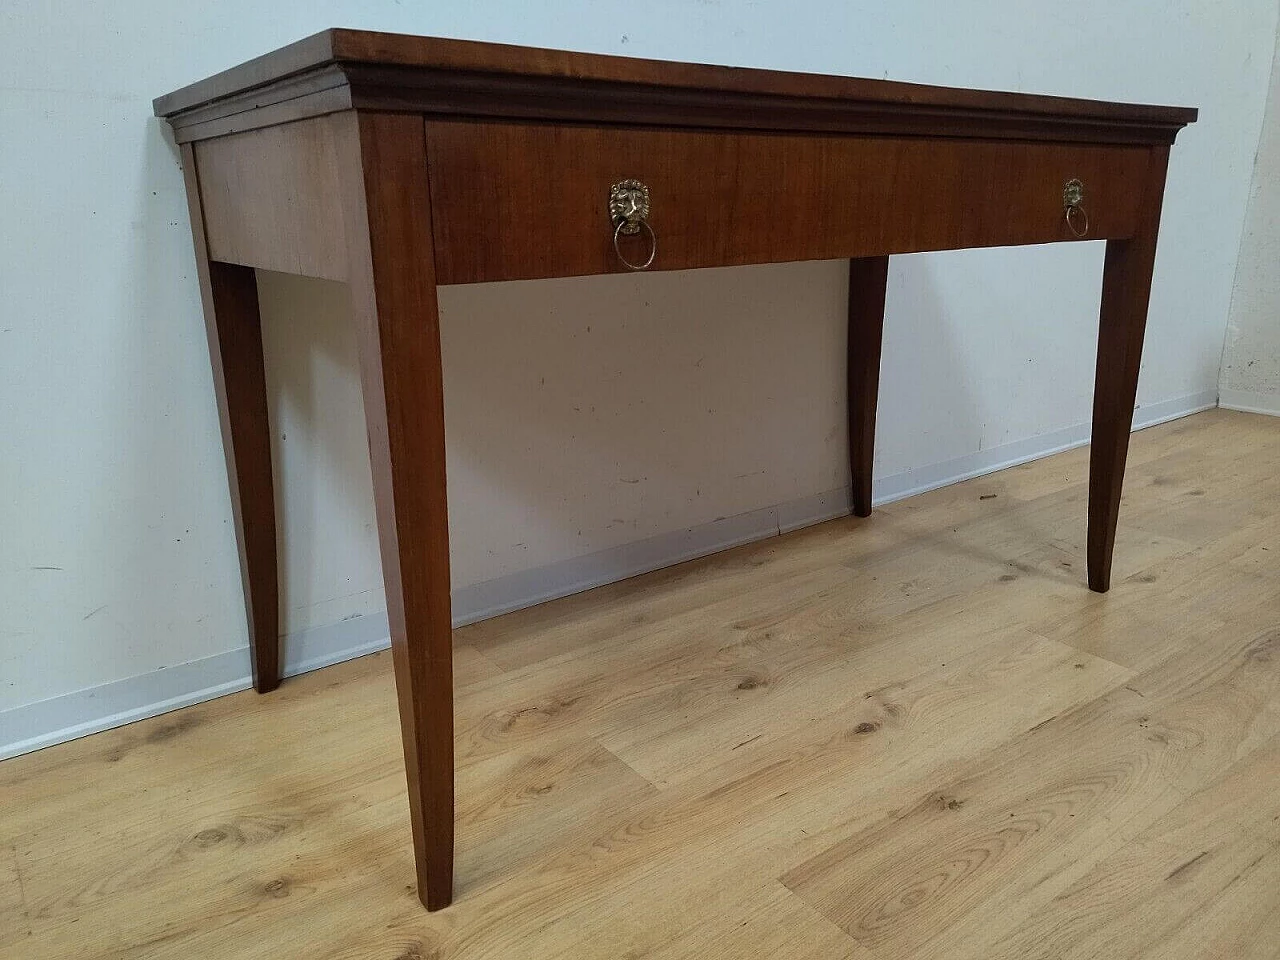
point(399, 163)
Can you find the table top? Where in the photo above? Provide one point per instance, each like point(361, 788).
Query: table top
point(467, 76)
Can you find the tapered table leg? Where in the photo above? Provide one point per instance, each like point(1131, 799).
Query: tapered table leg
point(230, 296)
point(867, 279)
point(387, 217)
point(1126, 290)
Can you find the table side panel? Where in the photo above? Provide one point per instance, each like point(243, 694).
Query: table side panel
point(271, 198)
point(524, 201)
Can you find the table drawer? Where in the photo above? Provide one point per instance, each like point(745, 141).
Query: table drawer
point(522, 200)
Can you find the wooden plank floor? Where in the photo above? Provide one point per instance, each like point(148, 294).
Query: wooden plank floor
point(912, 736)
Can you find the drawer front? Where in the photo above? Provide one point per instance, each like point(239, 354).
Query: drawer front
point(521, 201)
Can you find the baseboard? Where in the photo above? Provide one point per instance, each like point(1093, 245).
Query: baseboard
point(1243, 400)
point(33, 726)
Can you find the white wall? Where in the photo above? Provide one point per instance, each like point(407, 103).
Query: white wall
point(1251, 357)
point(590, 421)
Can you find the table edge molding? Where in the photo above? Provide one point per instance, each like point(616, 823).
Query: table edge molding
point(330, 72)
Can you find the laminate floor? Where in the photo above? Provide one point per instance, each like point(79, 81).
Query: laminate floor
point(912, 736)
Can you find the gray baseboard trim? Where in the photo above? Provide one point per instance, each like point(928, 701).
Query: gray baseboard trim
point(1243, 400)
point(526, 588)
point(32, 726)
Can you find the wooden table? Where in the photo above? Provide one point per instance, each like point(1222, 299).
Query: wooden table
point(399, 163)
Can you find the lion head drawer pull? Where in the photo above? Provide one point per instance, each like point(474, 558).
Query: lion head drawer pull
point(1072, 200)
point(629, 211)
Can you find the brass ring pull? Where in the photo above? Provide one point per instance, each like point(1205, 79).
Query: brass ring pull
point(1074, 216)
point(1073, 210)
point(629, 211)
point(653, 245)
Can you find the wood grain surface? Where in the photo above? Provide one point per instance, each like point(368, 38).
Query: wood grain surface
point(338, 69)
point(1122, 324)
point(233, 329)
point(868, 282)
point(523, 201)
point(387, 214)
point(272, 198)
point(907, 736)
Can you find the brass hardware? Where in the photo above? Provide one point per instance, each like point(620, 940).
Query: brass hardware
point(653, 245)
point(629, 211)
point(628, 205)
point(1073, 210)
